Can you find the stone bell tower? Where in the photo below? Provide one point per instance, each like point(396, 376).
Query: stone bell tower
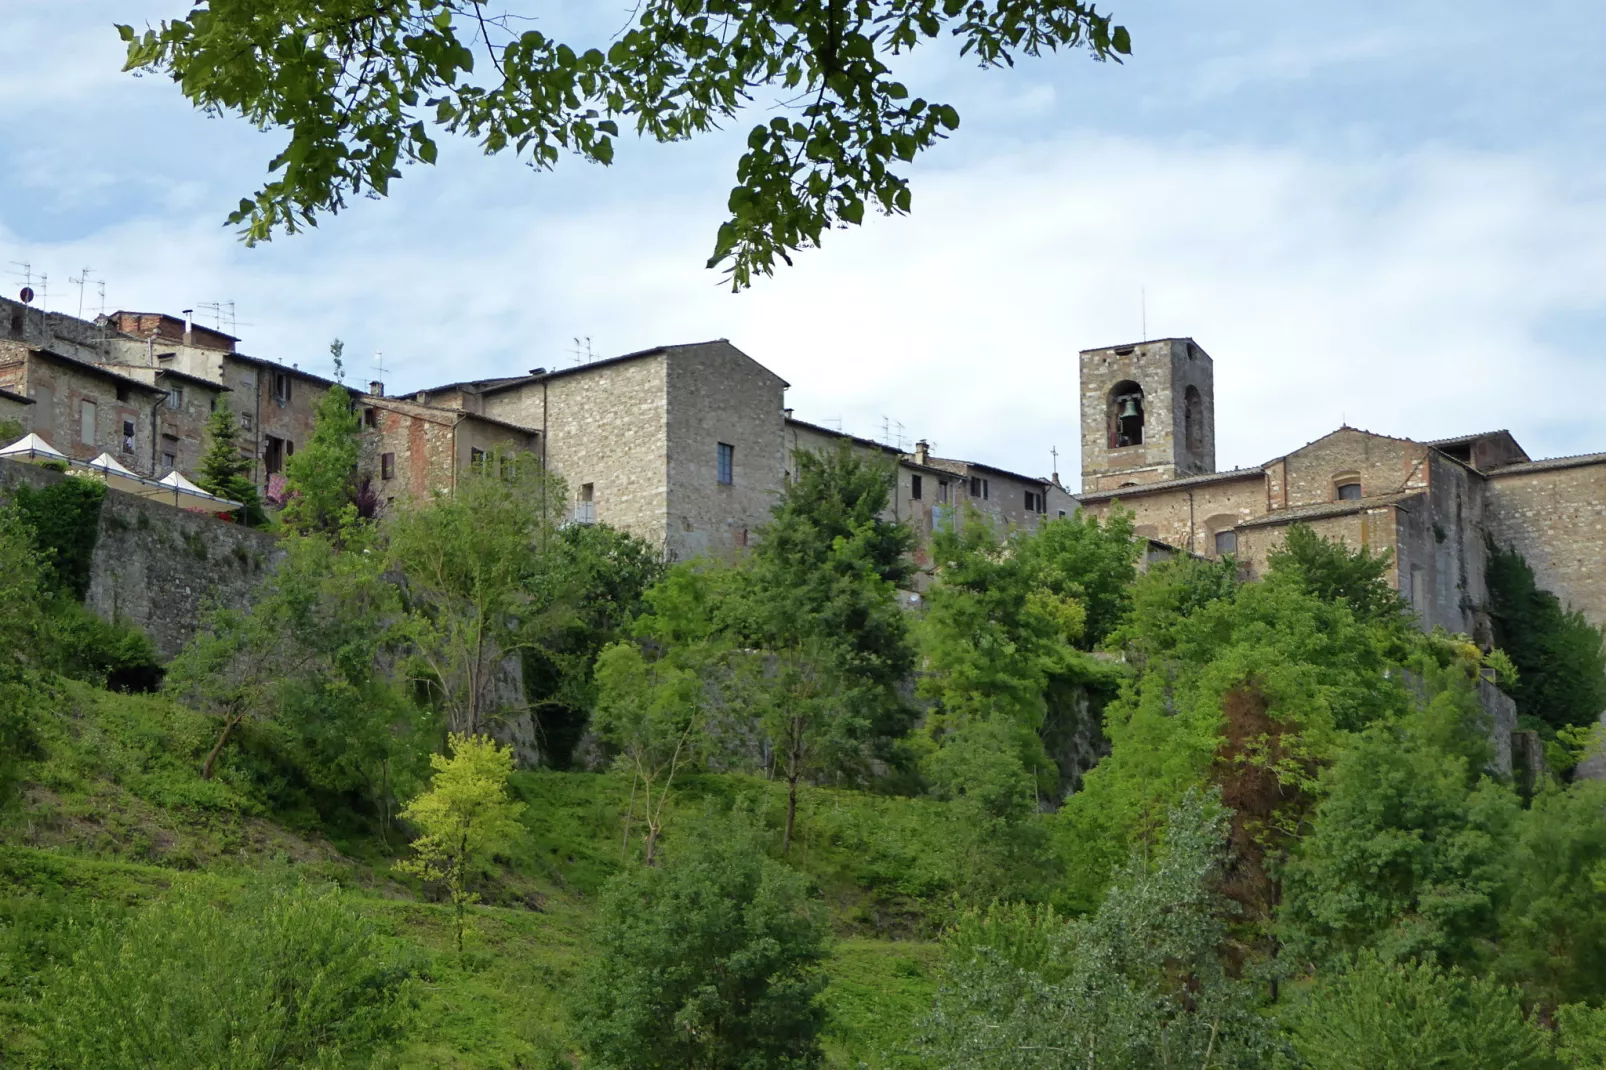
point(1148, 413)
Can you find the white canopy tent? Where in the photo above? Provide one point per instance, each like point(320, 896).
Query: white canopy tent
point(107, 469)
point(31, 447)
point(181, 493)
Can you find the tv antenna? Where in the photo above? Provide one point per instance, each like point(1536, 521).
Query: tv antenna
point(1143, 310)
point(222, 312)
point(83, 277)
point(1054, 452)
point(582, 350)
point(379, 364)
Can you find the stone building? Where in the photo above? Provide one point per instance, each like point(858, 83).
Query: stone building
point(84, 409)
point(1148, 445)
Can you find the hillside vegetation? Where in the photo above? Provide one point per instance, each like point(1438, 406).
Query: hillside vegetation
point(767, 817)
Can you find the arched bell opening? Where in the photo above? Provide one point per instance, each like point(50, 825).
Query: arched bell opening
point(1126, 414)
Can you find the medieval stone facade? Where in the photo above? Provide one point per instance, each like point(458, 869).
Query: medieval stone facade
point(1148, 428)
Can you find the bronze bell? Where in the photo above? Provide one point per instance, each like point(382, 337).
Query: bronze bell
point(1129, 407)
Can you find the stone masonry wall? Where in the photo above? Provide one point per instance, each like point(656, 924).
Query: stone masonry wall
point(161, 568)
point(1556, 518)
point(1384, 466)
point(716, 393)
point(1189, 517)
point(607, 427)
point(1164, 370)
point(60, 391)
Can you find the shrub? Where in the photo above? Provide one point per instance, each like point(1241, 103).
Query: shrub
point(1412, 1016)
point(710, 961)
point(289, 977)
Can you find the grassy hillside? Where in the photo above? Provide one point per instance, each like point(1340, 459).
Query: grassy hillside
point(113, 813)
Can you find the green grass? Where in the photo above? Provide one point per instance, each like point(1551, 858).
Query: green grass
point(114, 811)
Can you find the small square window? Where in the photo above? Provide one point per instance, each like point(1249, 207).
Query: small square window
point(245, 421)
point(727, 463)
point(1226, 542)
point(370, 418)
point(169, 460)
point(914, 488)
point(122, 392)
point(476, 455)
point(387, 466)
point(175, 398)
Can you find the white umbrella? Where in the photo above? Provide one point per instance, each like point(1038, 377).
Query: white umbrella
point(108, 469)
point(31, 447)
point(182, 489)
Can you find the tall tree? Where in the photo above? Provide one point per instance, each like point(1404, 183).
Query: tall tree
point(358, 89)
point(321, 478)
point(224, 470)
point(469, 558)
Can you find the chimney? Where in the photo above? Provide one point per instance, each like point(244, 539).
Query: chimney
point(189, 316)
point(376, 388)
point(537, 371)
point(921, 449)
point(787, 413)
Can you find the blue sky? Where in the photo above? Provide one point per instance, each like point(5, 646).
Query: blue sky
point(1390, 214)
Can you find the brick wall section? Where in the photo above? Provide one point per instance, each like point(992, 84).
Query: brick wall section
point(182, 417)
point(716, 393)
point(162, 568)
point(1188, 517)
point(1556, 518)
point(263, 415)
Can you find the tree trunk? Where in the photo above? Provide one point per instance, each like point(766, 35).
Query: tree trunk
point(217, 748)
point(791, 812)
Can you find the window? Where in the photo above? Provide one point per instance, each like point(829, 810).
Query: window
point(942, 491)
point(86, 422)
point(979, 488)
point(1349, 492)
point(281, 387)
point(1062, 514)
point(727, 463)
point(169, 460)
point(387, 466)
point(1036, 502)
point(289, 448)
point(1226, 542)
point(1193, 418)
point(245, 421)
point(122, 392)
point(170, 451)
point(370, 418)
point(476, 456)
point(914, 488)
point(273, 455)
point(585, 509)
point(175, 398)
point(128, 436)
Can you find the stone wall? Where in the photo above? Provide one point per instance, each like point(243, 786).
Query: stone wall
point(606, 427)
point(161, 568)
point(1382, 465)
point(62, 389)
point(1188, 517)
point(1164, 370)
point(718, 394)
point(1554, 514)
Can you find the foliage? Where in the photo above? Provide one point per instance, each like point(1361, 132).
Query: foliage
point(1559, 656)
point(1401, 858)
point(289, 976)
point(1383, 1015)
point(603, 574)
point(1093, 562)
point(1331, 571)
point(1553, 925)
point(470, 558)
point(710, 961)
point(65, 520)
point(466, 817)
point(1583, 1036)
point(321, 478)
point(226, 471)
point(1242, 686)
point(21, 589)
point(1028, 989)
point(356, 90)
point(651, 711)
point(77, 642)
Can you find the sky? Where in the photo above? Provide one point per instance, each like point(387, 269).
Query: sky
point(1390, 215)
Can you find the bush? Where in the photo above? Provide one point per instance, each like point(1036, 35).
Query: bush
point(1559, 656)
point(1411, 1016)
point(288, 977)
point(711, 961)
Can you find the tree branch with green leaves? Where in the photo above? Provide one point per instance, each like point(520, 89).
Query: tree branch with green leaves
point(362, 87)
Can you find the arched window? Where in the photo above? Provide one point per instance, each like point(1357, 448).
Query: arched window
point(1193, 419)
point(1126, 414)
point(1347, 487)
